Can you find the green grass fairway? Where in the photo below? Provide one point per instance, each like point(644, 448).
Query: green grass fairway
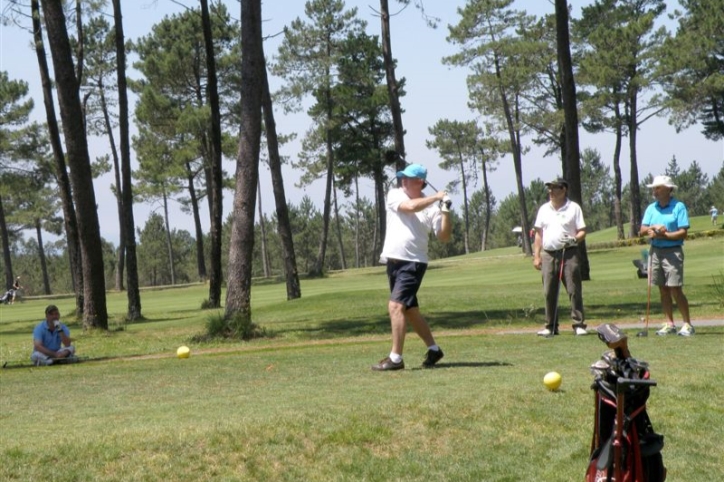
point(302, 404)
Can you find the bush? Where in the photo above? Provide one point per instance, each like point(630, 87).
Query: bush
point(238, 327)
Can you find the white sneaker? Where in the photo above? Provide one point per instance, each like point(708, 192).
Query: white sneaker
point(580, 331)
point(666, 329)
point(686, 330)
point(545, 332)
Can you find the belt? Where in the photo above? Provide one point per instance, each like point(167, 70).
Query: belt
point(560, 250)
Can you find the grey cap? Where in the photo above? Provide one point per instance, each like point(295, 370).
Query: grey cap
point(559, 181)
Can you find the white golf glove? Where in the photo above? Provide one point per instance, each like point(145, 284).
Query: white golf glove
point(568, 240)
point(445, 204)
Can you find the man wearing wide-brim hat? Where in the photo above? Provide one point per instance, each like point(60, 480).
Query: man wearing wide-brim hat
point(666, 224)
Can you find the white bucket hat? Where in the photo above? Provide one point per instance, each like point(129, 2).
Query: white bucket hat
point(662, 181)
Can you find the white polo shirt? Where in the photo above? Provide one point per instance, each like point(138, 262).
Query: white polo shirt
point(556, 222)
point(407, 234)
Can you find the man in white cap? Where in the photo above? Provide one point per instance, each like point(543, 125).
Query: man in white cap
point(714, 214)
point(410, 217)
point(666, 223)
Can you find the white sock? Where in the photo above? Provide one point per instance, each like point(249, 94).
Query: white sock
point(395, 357)
point(433, 348)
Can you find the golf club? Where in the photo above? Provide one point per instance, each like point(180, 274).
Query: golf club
point(623, 421)
point(645, 331)
point(558, 295)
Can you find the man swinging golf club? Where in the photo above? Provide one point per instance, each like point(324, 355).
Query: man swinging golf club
point(410, 217)
point(559, 227)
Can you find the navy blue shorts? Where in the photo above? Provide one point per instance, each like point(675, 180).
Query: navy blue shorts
point(405, 278)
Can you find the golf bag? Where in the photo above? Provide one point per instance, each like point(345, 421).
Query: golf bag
point(7, 297)
point(624, 446)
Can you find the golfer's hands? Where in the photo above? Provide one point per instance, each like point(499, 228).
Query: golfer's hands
point(656, 231)
point(445, 203)
point(537, 262)
point(568, 240)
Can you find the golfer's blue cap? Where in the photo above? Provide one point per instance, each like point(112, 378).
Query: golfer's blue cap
point(414, 170)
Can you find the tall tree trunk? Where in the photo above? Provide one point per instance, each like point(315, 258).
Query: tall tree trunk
point(41, 255)
point(169, 242)
point(200, 256)
point(238, 295)
point(294, 289)
point(570, 110)
point(70, 220)
point(356, 223)
point(79, 45)
point(618, 181)
point(465, 204)
point(515, 147)
point(262, 227)
point(488, 208)
point(381, 208)
point(392, 86)
point(121, 256)
point(95, 312)
point(338, 227)
point(635, 221)
point(7, 259)
point(216, 188)
point(318, 268)
point(129, 231)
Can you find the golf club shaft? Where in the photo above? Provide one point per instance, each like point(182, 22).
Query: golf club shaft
point(433, 187)
point(558, 292)
point(648, 290)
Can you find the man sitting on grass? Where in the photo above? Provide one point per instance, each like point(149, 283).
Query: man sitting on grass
point(48, 337)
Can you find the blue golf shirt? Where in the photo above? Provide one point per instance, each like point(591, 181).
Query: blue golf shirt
point(50, 339)
point(673, 216)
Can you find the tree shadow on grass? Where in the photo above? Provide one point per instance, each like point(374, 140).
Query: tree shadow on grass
point(445, 365)
point(358, 326)
point(460, 320)
point(341, 327)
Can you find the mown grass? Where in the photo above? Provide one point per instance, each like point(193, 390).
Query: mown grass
point(316, 412)
point(302, 404)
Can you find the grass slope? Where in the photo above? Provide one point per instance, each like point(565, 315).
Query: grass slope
point(303, 404)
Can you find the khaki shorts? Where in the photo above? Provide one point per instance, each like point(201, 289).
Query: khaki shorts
point(667, 266)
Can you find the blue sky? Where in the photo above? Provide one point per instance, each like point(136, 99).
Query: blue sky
point(434, 91)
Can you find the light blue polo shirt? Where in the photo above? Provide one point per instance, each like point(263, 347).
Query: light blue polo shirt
point(673, 216)
point(50, 339)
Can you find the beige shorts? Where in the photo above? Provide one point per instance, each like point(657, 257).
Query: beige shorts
point(667, 266)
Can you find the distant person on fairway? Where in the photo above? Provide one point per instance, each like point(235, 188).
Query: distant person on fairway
point(51, 339)
point(714, 214)
point(16, 287)
point(666, 223)
point(410, 217)
point(559, 227)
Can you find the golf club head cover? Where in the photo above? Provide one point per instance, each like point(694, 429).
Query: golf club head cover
point(568, 240)
point(445, 204)
point(610, 334)
point(614, 338)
